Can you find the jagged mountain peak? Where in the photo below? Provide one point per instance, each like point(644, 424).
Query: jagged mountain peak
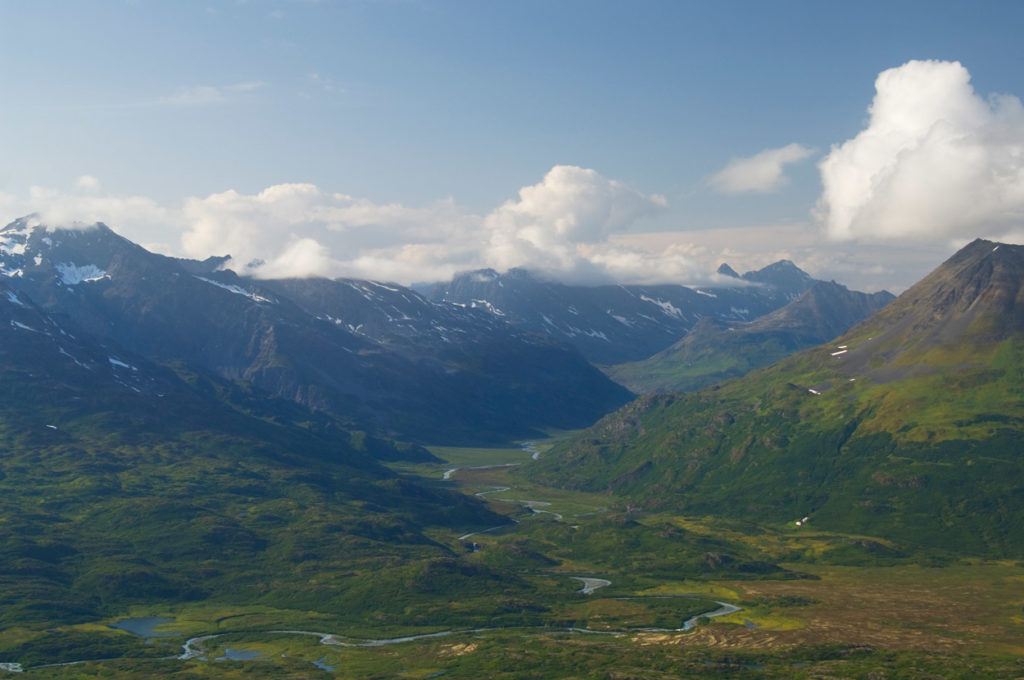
point(775, 270)
point(214, 263)
point(726, 270)
point(783, 276)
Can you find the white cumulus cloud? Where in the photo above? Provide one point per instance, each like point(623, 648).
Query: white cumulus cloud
point(550, 226)
point(936, 161)
point(760, 173)
point(301, 230)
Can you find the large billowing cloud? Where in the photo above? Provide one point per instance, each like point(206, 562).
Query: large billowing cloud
point(760, 173)
point(936, 161)
point(554, 226)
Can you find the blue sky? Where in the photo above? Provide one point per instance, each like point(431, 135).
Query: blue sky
point(419, 122)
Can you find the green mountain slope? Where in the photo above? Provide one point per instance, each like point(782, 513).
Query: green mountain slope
point(714, 351)
point(123, 484)
point(908, 427)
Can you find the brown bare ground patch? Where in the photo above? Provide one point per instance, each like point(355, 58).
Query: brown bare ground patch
point(458, 649)
point(960, 608)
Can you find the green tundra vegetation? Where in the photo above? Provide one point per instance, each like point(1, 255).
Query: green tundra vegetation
point(813, 603)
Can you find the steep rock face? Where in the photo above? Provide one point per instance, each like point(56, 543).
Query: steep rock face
point(726, 270)
point(782, 275)
point(910, 426)
point(714, 351)
point(613, 324)
point(373, 355)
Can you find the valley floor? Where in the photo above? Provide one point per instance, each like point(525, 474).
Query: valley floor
point(593, 589)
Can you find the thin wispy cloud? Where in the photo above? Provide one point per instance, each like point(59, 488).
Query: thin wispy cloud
point(87, 183)
point(204, 95)
point(761, 173)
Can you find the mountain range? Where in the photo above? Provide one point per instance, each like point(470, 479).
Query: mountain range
point(487, 357)
point(713, 350)
point(370, 355)
point(907, 427)
point(612, 324)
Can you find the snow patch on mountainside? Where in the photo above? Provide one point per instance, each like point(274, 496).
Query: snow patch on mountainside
point(65, 353)
point(667, 308)
point(9, 248)
point(381, 285)
point(114, 361)
point(486, 305)
point(623, 320)
point(237, 290)
point(72, 274)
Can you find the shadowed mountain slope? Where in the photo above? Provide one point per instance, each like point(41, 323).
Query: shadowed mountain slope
point(124, 482)
point(371, 355)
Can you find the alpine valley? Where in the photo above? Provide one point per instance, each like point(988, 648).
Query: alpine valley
point(207, 475)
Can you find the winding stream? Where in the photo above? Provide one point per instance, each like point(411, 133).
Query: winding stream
point(591, 584)
point(193, 647)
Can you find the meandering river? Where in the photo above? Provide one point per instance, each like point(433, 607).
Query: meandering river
point(194, 647)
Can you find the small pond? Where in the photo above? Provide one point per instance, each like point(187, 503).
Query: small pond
point(143, 626)
point(238, 655)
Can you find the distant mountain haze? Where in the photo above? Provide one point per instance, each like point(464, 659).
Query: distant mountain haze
point(612, 324)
